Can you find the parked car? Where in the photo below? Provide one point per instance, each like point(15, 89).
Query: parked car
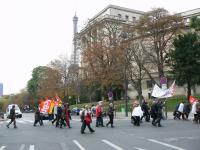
point(76, 111)
point(18, 112)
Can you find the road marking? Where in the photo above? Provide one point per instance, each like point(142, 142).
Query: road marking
point(165, 144)
point(31, 147)
point(79, 145)
point(112, 145)
point(138, 148)
point(22, 147)
point(2, 147)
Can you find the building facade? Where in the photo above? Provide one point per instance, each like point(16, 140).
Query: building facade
point(129, 17)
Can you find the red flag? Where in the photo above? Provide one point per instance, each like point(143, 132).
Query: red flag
point(192, 99)
point(58, 100)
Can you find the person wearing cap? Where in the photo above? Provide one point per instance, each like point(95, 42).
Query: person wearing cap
point(87, 120)
point(110, 115)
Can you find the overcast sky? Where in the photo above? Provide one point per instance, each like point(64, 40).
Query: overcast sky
point(34, 32)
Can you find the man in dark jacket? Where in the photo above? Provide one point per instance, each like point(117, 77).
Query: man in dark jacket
point(145, 109)
point(158, 109)
point(37, 117)
point(110, 115)
point(12, 117)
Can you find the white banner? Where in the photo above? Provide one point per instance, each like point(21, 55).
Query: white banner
point(163, 93)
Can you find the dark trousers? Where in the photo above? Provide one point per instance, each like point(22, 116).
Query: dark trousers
point(136, 120)
point(146, 115)
point(54, 119)
point(12, 121)
point(84, 126)
point(58, 120)
point(99, 121)
point(110, 120)
point(158, 120)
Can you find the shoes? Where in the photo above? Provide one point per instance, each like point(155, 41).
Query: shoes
point(107, 125)
point(112, 126)
point(15, 126)
point(92, 131)
point(34, 125)
point(7, 126)
point(160, 125)
point(82, 132)
point(153, 123)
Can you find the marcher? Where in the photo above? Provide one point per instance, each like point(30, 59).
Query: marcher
point(55, 114)
point(180, 110)
point(137, 113)
point(158, 109)
point(153, 112)
point(186, 110)
point(12, 117)
point(59, 115)
point(176, 114)
point(99, 115)
point(198, 112)
point(145, 109)
point(110, 115)
point(37, 117)
point(67, 115)
point(87, 120)
point(194, 111)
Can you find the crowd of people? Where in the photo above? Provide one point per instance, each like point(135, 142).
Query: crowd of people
point(62, 114)
point(182, 111)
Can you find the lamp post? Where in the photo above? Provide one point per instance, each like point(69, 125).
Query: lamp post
point(124, 36)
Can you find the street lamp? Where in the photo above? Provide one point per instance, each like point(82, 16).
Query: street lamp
point(124, 36)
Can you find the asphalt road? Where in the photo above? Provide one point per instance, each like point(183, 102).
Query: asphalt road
point(175, 135)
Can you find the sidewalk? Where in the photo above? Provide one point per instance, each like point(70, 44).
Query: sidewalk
point(122, 115)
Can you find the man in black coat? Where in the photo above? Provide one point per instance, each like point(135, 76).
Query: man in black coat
point(12, 117)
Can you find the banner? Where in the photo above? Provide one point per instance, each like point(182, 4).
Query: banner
point(45, 105)
point(192, 99)
point(163, 93)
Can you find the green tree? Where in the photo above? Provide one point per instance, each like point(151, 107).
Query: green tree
point(185, 60)
point(195, 23)
point(45, 81)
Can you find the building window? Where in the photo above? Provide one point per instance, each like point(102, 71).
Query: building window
point(127, 17)
point(133, 18)
point(149, 84)
point(119, 16)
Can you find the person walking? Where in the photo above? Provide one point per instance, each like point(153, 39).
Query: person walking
point(67, 115)
point(87, 120)
point(145, 109)
point(59, 115)
point(158, 109)
point(99, 115)
point(37, 117)
point(153, 112)
point(110, 115)
point(136, 113)
point(55, 114)
point(12, 117)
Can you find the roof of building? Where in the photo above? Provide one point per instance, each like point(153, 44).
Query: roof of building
point(188, 13)
point(119, 8)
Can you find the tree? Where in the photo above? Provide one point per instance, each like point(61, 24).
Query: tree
point(185, 60)
point(101, 61)
point(45, 81)
point(157, 29)
point(195, 23)
point(62, 66)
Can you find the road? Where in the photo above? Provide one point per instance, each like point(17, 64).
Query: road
point(175, 135)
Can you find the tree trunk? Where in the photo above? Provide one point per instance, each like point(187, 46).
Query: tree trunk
point(188, 89)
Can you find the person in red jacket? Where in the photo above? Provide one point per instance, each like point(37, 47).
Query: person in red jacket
point(67, 114)
point(99, 117)
point(87, 120)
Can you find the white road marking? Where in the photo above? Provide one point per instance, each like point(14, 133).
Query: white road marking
point(79, 145)
point(22, 147)
point(112, 145)
point(165, 144)
point(138, 148)
point(31, 147)
point(2, 147)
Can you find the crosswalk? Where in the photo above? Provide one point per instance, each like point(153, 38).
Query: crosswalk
point(78, 145)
